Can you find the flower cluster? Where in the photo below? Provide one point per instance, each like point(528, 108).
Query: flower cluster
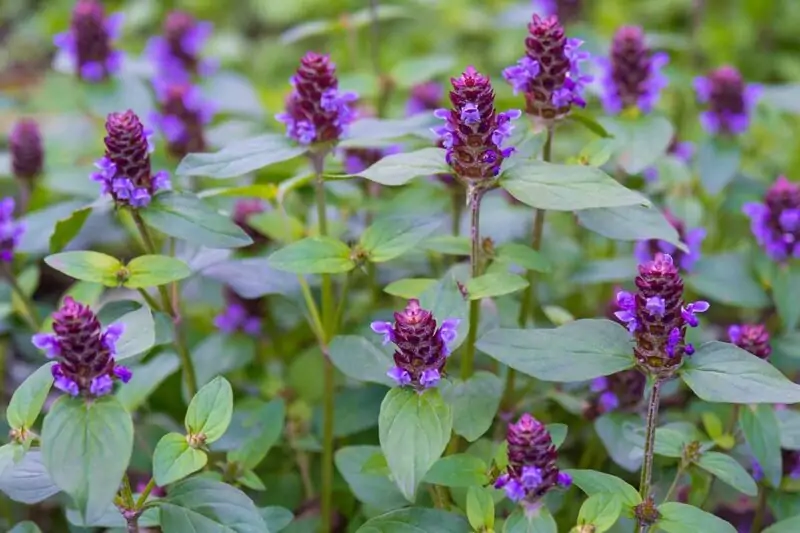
point(85, 352)
point(176, 54)
point(751, 337)
point(657, 316)
point(27, 152)
point(632, 76)
point(549, 75)
point(681, 150)
point(183, 114)
point(316, 110)
point(776, 222)
point(242, 211)
point(11, 231)
point(240, 314)
point(88, 43)
point(620, 391)
point(125, 171)
point(532, 469)
point(730, 101)
point(422, 345)
point(424, 97)
point(692, 238)
point(474, 132)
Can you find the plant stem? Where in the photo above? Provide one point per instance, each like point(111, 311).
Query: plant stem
point(30, 315)
point(149, 300)
point(458, 202)
point(133, 524)
point(145, 493)
point(650, 437)
point(674, 485)
point(474, 196)
point(761, 510)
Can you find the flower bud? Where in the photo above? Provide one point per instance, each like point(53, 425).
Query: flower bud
point(730, 101)
point(184, 112)
point(316, 111)
point(424, 97)
point(85, 353)
point(775, 223)
point(88, 43)
point(693, 239)
point(241, 314)
point(632, 76)
point(751, 337)
point(27, 153)
point(176, 54)
point(125, 171)
point(11, 231)
point(422, 346)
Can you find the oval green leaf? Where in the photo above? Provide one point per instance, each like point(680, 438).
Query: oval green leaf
point(87, 266)
point(314, 255)
point(592, 482)
point(373, 489)
point(459, 470)
point(729, 471)
point(630, 223)
point(68, 228)
point(415, 520)
point(763, 435)
point(600, 510)
point(409, 288)
point(474, 403)
point(138, 333)
point(358, 358)
point(27, 401)
point(240, 157)
point(391, 237)
point(480, 508)
point(522, 255)
point(496, 284)
point(399, 169)
point(153, 270)
point(209, 413)
point(680, 518)
point(174, 459)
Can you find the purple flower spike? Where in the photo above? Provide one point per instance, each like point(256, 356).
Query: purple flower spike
point(27, 151)
point(176, 54)
point(424, 97)
point(632, 76)
point(730, 101)
point(182, 117)
point(692, 238)
point(775, 223)
point(620, 391)
point(751, 337)
point(88, 43)
point(549, 75)
point(532, 470)
point(421, 349)
point(85, 352)
point(241, 314)
point(11, 231)
point(316, 111)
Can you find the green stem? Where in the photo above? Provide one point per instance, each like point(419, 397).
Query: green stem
point(314, 319)
point(761, 511)
point(145, 493)
point(30, 315)
point(474, 196)
point(675, 481)
point(150, 300)
point(650, 437)
point(458, 206)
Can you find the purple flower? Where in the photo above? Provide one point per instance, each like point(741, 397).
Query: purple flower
point(316, 111)
point(549, 75)
point(775, 223)
point(424, 97)
point(241, 314)
point(11, 231)
point(421, 348)
point(619, 391)
point(682, 151)
point(730, 101)
point(632, 76)
point(27, 152)
point(751, 337)
point(183, 114)
point(125, 171)
point(176, 54)
point(692, 238)
point(85, 353)
point(658, 317)
point(88, 43)
point(474, 133)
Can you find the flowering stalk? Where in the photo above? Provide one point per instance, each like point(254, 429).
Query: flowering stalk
point(176, 53)
point(182, 116)
point(27, 157)
point(730, 101)
point(88, 43)
point(775, 222)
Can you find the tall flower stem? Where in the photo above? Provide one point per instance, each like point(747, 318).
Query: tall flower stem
point(649, 444)
point(457, 202)
point(474, 196)
point(167, 304)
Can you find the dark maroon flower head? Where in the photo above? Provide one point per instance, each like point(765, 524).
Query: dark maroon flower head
point(422, 346)
point(316, 111)
point(657, 317)
point(242, 211)
point(751, 337)
point(88, 43)
point(730, 101)
point(125, 171)
point(182, 117)
point(27, 153)
point(621, 391)
point(775, 223)
point(474, 132)
point(85, 352)
point(241, 314)
point(532, 456)
point(176, 53)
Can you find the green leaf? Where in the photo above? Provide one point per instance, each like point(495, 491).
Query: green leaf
point(207, 506)
point(185, 216)
point(521, 522)
point(726, 278)
point(26, 481)
point(589, 122)
point(790, 429)
point(368, 132)
point(86, 447)
point(448, 245)
point(785, 288)
point(558, 433)
point(209, 413)
point(729, 471)
point(375, 490)
point(391, 237)
point(480, 508)
point(153, 270)
point(25, 527)
point(278, 226)
point(446, 301)
point(399, 169)
point(415, 70)
point(474, 403)
point(722, 372)
point(459, 470)
point(138, 333)
point(39, 225)
point(642, 141)
point(790, 525)
point(762, 433)
point(314, 255)
point(276, 518)
point(600, 510)
point(68, 228)
point(415, 520)
point(87, 266)
point(268, 422)
point(409, 288)
point(174, 459)
point(240, 157)
point(358, 358)
point(592, 482)
point(566, 187)
point(147, 378)
point(491, 285)
point(522, 255)
point(414, 430)
point(630, 223)
point(717, 163)
point(580, 350)
point(27, 401)
point(613, 428)
point(680, 518)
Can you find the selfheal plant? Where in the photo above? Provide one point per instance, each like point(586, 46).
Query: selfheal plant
point(183, 114)
point(692, 238)
point(549, 75)
point(88, 45)
point(125, 171)
point(176, 53)
point(422, 345)
point(632, 76)
point(240, 314)
point(532, 469)
point(730, 101)
point(11, 230)
point(27, 152)
point(775, 222)
point(85, 353)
